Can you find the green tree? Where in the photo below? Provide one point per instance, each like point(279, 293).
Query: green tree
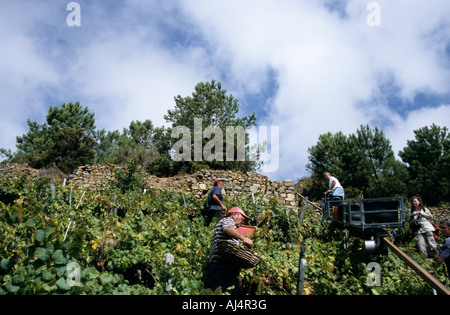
point(326, 156)
point(72, 148)
point(211, 103)
point(428, 160)
point(135, 144)
point(71, 116)
point(374, 165)
point(216, 109)
point(162, 165)
point(65, 141)
point(107, 144)
point(364, 163)
point(32, 148)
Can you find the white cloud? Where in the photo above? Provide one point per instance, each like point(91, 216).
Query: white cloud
point(333, 72)
point(329, 69)
point(114, 64)
point(23, 72)
point(408, 45)
point(133, 80)
point(403, 129)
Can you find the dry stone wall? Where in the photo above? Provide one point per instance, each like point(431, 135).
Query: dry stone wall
point(237, 184)
point(94, 177)
point(18, 170)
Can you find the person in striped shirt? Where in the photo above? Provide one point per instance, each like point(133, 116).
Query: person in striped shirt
point(222, 273)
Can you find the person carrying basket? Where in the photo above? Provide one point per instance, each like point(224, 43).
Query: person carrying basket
point(221, 271)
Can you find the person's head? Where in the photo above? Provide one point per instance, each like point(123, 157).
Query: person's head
point(327, 175)
point(444, 226)
point(219, 182)
point(238, 215)
point(416, 203)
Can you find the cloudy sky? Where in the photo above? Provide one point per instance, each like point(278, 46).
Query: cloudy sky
point(305, 66)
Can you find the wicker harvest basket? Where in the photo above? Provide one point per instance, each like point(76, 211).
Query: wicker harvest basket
point(241, 256)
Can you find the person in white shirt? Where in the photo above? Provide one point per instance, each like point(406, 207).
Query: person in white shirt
point(425, 233)
point(334, 187)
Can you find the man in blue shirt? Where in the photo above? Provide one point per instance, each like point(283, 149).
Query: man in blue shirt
point(443, 251)
point(214, 203)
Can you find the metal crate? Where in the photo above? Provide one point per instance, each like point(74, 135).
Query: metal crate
point(373, 213)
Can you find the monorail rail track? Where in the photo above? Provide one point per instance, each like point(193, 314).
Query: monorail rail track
point(432, 281)
point(368, 219)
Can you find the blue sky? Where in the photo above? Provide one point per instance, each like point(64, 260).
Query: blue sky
point(308, 67)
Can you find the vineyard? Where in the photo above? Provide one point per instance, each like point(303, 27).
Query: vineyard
point(64, 240)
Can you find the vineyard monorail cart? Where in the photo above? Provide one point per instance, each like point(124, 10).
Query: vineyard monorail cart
point(367, 218)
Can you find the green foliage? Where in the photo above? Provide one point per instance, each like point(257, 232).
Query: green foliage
point(65, 141)
point(150, 147)
point(69, 139)
point(129, 180)
point(365, 165)
point(140, 143)
point(363, 162)
point(211, 103)
point(44, 237)
point(326, 156)
point(428, 159)
point(72, 148)
point(378, 171)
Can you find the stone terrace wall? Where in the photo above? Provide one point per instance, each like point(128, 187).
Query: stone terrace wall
point(237, 184)
point(95, 176)
point(18, 170)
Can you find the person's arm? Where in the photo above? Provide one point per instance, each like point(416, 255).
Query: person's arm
point(233, 232)
point(410, 218)
point(423, 213)
point(216, 199)
point(443, 252)
point(332, 186)
point(426, 216)
point(413, 214)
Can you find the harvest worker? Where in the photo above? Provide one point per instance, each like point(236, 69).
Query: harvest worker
point(334, 187)
point(221, 272)
point(424, 231)
point(443, 251)
point(214, 202)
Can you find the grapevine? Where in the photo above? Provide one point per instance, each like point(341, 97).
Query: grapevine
point(119, 238)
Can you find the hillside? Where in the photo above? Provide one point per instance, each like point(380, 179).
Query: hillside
point(114, 240)
point(94, 177)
